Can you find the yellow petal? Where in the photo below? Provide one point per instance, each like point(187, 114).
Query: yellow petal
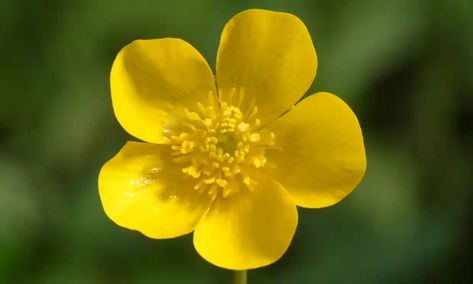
point(141, 190)
point(152, 79)
point(269, 54)
point(322, 157)
point(248, 229)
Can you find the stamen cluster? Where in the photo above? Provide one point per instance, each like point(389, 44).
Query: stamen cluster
point(220, 147)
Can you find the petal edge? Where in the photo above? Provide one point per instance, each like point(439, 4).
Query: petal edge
point(323, 156)
point(271, 55)
point(152, 79)
point(249, 229)
point(140, 192)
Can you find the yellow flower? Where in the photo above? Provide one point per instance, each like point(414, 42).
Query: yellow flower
point(229, 157)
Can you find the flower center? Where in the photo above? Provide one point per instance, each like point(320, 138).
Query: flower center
point(219, 146)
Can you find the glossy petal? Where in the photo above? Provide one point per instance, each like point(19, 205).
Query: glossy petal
point(322, 157)
point(152, 80)
point(269, 54)
point(141, 190)
point(248, 229)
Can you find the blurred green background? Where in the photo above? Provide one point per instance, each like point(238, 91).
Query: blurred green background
point(404, 66)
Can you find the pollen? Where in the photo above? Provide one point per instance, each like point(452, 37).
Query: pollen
point(219, 146)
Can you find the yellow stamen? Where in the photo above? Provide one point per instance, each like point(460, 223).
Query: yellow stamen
point(219, 146)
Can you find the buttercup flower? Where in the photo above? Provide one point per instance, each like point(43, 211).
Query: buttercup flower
point(228, 157)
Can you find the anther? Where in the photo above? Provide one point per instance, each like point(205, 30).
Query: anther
point(220, 144)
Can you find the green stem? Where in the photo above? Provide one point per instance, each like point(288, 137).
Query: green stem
point(240, 277)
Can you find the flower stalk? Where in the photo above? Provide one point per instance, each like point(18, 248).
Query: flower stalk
point(240, 277)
